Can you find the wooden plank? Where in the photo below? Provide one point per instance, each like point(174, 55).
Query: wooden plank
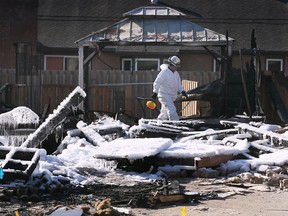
point(189, 107)
point(208, 162)
point(162, 199)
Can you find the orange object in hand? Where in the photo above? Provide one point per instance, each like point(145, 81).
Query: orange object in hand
point(151, 105)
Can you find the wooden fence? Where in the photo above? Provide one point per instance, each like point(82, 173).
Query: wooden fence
point(107, 92)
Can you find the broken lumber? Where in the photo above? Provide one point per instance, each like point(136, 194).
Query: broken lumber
point(259, 146)
point(208, 133)
point(53, 120)
point(90, 133)
point(274, 138)
point(18, 163)
point(185, 124)
point(182, 123)
point(168, 199)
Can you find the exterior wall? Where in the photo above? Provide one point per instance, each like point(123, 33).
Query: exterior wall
point(106, 61)
point(197, 61)
point(18, 23)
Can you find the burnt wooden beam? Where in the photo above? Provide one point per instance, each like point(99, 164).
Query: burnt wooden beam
point(176, 124)
point(274, 138)
point(207, 134)
point(62, 111)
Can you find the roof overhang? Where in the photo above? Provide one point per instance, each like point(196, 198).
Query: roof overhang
point(154, 28)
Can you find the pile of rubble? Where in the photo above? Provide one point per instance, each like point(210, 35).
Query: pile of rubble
point(236, 152)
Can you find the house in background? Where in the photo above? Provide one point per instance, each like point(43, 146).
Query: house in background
point(60, 23)
point(73, 20)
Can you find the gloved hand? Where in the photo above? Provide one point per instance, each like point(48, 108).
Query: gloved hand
point(184, 94)
point(154, 95)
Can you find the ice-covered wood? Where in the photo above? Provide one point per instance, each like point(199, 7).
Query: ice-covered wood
point(90, 133)
point(65, 107)
point(18, 163)
point(274, 138)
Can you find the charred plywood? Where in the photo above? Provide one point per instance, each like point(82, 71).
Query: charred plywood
point(171, 166)
point(174, 129)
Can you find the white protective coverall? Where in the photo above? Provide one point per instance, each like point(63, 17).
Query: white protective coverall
point(167, 85)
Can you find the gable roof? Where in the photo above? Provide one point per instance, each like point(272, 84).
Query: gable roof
point(155, 24)
point(61, 23)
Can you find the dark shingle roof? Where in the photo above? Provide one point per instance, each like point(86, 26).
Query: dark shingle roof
point(61, 23)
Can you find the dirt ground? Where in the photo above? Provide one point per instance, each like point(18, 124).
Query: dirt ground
point(260, 200)
point(213, 199)
point(253, 204)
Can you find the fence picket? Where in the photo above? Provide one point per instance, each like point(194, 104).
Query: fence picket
point(108, 91)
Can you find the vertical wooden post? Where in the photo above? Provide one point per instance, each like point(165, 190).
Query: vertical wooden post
point(228, 68)
point(81, 71)
point(86, 82)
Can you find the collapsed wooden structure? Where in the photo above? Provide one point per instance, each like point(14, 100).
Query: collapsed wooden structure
point(97, 132)
point(18, 163)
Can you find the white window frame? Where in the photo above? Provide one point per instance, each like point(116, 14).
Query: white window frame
point(127, 59)
point(275, 60)
point(215, 65)
point(62, 56)
point(146, 59)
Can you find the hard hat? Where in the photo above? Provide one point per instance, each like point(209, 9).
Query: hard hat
point(174, 60)
point(151, 105)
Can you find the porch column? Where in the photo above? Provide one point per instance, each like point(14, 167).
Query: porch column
point(81, 67)
point(81, 71)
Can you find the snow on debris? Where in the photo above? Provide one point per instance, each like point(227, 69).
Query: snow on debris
point(19, 115)
point(278, 158)
point(133, 149)
point(266, 131)
point(64, 104)
point(198, 148)
point(80, 159)
point(78, 164)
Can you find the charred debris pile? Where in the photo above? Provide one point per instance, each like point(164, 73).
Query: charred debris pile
point(234, 151)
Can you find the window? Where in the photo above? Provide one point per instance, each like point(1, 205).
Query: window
point(71, 63)
point(61, 63)
point(147, 64)
point(274, 65)
point(140, 64)
point(216, 65)
point(127, 64)
point(53, 63)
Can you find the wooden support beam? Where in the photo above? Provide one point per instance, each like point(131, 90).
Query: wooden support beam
point(90, 57)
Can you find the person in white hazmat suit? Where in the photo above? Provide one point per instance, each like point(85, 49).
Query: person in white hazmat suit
point(166, 87)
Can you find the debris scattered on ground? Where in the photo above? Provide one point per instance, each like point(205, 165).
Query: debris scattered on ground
point(108, 164)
